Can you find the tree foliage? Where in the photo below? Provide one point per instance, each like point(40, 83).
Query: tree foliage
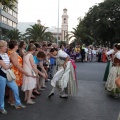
point(102, 22)
point(38, 33)
point(8, 3)
point(13, 34)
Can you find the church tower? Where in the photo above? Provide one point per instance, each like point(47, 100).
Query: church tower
point(64, 25)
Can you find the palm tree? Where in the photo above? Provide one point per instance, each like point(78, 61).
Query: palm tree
point(36, 32)
point(79, 34)
point(13, 34)
point(48, 36)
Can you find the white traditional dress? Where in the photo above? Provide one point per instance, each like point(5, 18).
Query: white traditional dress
point(65, 78)
point(109, 64)
point(113, 75)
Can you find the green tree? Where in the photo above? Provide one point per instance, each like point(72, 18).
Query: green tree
point(80, 35)
point(8, 3)
point(38, 33)
point(13, 34)
point(102, 22)
point(48, 36)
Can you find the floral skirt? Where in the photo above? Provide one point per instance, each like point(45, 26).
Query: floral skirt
point(110, 84)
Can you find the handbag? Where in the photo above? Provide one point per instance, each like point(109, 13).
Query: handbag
point(10, 75)
point(33, 73)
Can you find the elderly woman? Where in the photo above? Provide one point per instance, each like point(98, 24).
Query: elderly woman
point(5, 64)
point(16, 60)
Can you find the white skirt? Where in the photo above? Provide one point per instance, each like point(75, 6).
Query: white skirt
point(29, 83)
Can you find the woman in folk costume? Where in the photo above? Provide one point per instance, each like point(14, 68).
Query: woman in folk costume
point(109, 55)
point(114, 74)
point(65, 78)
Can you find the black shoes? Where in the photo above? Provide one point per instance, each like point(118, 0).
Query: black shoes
point(50, 95)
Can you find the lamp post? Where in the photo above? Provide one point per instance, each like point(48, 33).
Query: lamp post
point(58, 24)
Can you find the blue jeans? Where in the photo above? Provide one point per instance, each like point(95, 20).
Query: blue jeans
point(13, 86)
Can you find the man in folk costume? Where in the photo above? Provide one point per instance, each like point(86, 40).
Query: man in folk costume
point(65, 78)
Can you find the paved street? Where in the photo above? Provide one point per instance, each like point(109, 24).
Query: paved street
point(91, 103)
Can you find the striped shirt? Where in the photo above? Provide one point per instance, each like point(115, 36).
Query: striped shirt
point(6, 60)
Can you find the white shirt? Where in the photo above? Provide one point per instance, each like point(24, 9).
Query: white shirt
point(62, 54)
point(6, 60)
point(86, 50)
point(117, 55)
point(93, 52)
point(110, 52)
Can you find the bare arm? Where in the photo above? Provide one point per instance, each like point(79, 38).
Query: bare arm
point(66, 60)
point(4, 66)
point(42, 67)
point(14, 60)
point(52, 55)
point(22, 52)
point(33, 64)
point(42, 74)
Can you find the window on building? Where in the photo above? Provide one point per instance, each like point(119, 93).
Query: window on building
point(10, 11)
point(14, 25)
point(14, 14)
point(4, 20)
point(10, 23)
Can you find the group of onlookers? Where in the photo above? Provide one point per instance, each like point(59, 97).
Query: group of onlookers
point(32, 64)
point(85, 53)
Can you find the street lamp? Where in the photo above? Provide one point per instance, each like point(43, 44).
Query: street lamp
point(58, 24)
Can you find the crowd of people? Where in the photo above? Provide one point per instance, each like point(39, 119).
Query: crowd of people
point(33, 64)
point(87, 53)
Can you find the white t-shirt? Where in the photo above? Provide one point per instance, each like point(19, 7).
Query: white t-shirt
point(94, 52)
point(86, 50)
point(62, 54)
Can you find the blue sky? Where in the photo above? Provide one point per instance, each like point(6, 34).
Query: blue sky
point(47, 11)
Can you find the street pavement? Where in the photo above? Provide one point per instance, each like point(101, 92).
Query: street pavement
point(91, 103)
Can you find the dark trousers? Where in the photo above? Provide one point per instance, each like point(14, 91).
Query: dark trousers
point(99, 57)
point(82, 57)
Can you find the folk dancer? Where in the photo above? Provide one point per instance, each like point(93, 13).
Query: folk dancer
point(65, 78)
point(114, 74)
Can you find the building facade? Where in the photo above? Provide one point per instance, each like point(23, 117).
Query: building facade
point(8, 19)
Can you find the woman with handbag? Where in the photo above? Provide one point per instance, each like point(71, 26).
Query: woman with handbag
point(5, 64)
point(17, 62)
point(29, 83)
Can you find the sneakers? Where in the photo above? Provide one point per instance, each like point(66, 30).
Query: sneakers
point(3, 112)
point(63, 96)
point(20, 106)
